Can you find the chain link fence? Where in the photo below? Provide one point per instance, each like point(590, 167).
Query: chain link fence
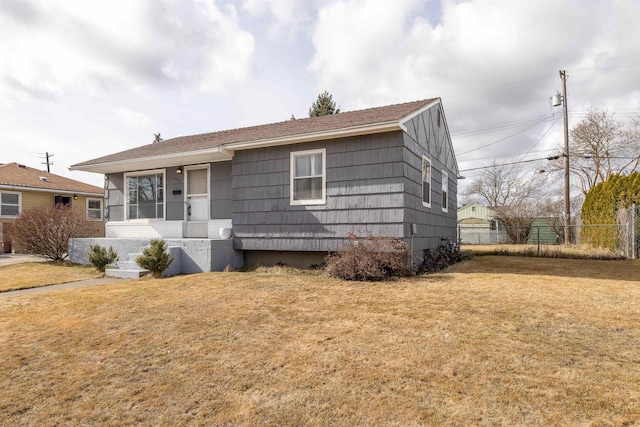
point(546, 238)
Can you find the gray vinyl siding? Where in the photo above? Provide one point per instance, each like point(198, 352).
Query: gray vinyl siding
point(220, 190)
point(364, 177)
point(174, 203)
point(425, 137)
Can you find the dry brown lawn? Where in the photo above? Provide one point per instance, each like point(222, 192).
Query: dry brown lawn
point(491, 341)
point(549, 251)
point(35, 274)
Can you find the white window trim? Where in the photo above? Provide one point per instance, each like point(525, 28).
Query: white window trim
point(93, 209)
point(292, 159)
point(427, 160)
point(164, 195)
point(19, 203)
point(445, 189)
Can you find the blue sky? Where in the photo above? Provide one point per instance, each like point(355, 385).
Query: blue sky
point(82, 79)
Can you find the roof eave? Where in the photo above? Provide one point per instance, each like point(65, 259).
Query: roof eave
point(216, 154)
point(225, 151)
point(13, 187)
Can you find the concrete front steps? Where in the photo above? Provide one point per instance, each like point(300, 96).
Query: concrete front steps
point(127, 269)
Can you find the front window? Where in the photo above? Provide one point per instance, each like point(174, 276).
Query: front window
point(94, 209)
point(145, 195)
point(445, 191)
point(10, 204)
point(308, 177)
point(426, 182)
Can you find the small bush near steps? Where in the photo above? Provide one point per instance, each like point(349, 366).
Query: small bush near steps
point(155, 258)
point(100, 257)
point(369, 259)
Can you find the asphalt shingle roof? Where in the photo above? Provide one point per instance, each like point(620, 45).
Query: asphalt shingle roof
point(291, 128)
point(16, 175)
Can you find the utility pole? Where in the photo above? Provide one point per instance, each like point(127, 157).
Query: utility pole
point(47, 155)
point(567, 201)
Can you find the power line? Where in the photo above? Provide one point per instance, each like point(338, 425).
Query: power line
point(509, 164)
point(500, 140)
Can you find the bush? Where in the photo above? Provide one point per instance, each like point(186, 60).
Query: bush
point(100, 257)
point(155, 258)
point(369, 259)
point(438, 259)
point(46, 231)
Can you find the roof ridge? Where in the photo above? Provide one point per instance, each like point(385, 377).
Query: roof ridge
point(324, 117)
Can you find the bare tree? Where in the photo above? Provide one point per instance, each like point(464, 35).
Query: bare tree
point(601, 146)
point(46, 230)
point(514, 193)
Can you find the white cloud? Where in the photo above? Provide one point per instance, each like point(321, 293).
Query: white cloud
point(60, 46)
point(134, 119)
point(290, 17)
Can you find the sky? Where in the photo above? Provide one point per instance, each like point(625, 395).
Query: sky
point(83, 79)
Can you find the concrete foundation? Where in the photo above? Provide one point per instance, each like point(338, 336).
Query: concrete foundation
point(194, 255)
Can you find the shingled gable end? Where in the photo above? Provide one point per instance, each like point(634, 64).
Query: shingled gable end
point(290, 191)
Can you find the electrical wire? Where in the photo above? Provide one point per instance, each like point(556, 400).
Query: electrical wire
point(500, 140)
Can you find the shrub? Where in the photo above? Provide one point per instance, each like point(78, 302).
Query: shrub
point(369, 259)
point(155, 258)
point(46, 231)
point(100, 257)
point(438, 259)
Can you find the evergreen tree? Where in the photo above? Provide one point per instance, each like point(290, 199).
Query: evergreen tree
point(601, 204)
point(323, 106)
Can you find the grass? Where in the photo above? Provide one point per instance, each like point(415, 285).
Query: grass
point(491, 341)
point(546, 251)
point(36, 274)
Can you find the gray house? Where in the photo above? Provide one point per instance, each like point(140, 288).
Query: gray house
point(288, 191)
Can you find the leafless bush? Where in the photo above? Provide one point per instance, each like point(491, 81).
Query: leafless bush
point(369, 259)
point(46, 231)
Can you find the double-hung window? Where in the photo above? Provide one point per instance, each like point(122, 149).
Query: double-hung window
point(10, 204)
point(445, 192)
point(145, 195)
point(426, 182)
point(308, 177)
point(94, 209)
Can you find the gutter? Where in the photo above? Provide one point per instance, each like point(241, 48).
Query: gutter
point(49, 190)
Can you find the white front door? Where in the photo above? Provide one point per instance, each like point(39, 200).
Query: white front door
point(197, 201)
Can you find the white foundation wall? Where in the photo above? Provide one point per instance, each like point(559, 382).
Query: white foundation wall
point(160, 229)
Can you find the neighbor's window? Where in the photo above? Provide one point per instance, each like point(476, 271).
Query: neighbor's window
point(445, 191)
point(62, 200)
point(308, 177)
point(94, 209)
point(145, 199)
point(426, 182)
point(10, 204)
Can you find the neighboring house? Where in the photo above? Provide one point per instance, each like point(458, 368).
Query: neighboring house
point(22, 188)
point(288, 191)
point(477, 225)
